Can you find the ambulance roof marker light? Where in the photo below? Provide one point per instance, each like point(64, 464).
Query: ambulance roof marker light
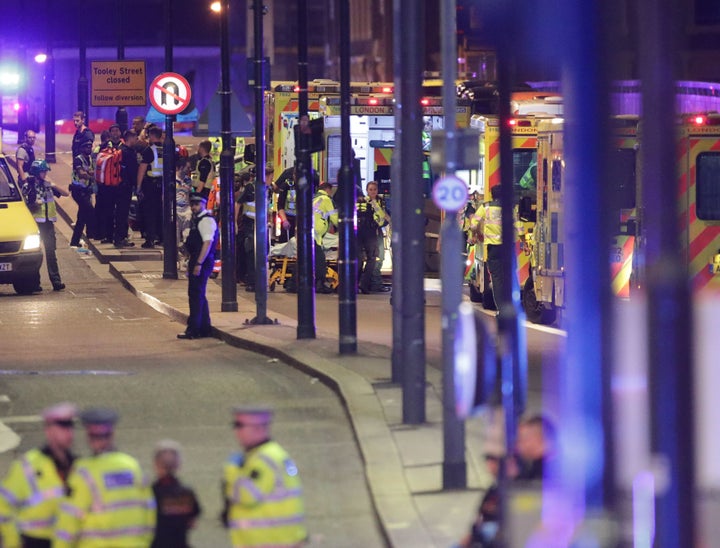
point(425, 101)
point(512, 122)
point(373, 101)
point(699, 120)
point(387, 89)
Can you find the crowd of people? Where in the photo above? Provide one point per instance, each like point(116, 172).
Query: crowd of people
point(51, 497)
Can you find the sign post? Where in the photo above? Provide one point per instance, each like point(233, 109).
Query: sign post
point(170, 94)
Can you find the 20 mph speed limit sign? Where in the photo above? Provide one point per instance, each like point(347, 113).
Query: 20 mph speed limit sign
point(450, 193)
point(170, 93)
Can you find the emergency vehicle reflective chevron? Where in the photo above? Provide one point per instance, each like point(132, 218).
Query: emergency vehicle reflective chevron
point(29, 498)
point(109, 504)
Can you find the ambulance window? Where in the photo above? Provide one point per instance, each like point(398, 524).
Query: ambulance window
point(707, 187)
point(556, 175)
point(525, 172)
point(622, 174)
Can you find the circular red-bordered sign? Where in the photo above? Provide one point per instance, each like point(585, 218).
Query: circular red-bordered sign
point(170, 93)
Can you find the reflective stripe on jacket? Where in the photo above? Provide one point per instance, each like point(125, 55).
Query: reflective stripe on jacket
point(29, 498)
point(155, 169)
point(110, 505)
point(324, 213)
point(265, 499)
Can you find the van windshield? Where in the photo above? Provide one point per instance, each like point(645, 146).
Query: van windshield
point(9, 191)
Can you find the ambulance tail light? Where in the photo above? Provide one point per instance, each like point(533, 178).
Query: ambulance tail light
point(425, 102)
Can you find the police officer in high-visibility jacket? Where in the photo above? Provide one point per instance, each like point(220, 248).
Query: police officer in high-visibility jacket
point(487, 227)
point(35, 484)
point(325, 214)
point(109, 502)
point(262, 490)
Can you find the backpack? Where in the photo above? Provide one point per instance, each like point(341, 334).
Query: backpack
point(107, 166)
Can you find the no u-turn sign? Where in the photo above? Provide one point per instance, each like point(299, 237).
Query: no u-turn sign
point(170, 93)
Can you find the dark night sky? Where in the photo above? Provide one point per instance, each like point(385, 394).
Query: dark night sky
point(23, 23)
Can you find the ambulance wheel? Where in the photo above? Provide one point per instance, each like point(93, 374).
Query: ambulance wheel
point(536, 311)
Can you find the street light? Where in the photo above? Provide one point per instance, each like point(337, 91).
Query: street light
point(40, 58)
point(216, 7)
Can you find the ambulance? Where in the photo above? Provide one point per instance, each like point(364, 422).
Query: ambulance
point(529, 109)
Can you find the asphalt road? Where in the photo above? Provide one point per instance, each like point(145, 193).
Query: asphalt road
point(96, 344)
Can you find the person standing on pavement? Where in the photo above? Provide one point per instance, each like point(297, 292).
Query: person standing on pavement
point(149, 186)
point(107, 195)
point(82, 188)
point(204, 173)
point(487, 227)
point(109, 502)
point(177, 505)
point(287, 203)
point(200, 246)
point(246, 232)
point(128, 180)
point(31, 492)
point(82, 133)
point(325, 215)
point(371, 217)
point(40, 194)
point(261, 487)
point(25, 155)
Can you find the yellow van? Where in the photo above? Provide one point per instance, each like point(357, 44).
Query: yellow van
point(20, 253)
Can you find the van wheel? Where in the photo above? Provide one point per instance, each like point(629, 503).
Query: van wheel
point(26, 286)
point(535, 311)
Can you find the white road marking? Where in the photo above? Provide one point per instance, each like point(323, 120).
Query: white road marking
point(8, 439)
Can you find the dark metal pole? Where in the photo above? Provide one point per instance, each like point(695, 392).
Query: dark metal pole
point(347, 292)
point(49, 91)
point(451, 268)
point(227, 191)
point(412, 212)
point(669, 314)
point(304, 228)
point(168, 192)
point(398, 204)
point(121, 116)
point(261, 217)
point(83, 93)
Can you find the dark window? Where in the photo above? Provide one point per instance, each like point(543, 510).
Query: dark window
point(707, 186)
point(524, 172)
point(556, 175)
point(623, 177)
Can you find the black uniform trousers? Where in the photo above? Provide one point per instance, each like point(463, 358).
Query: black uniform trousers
point(122, 212)
point(30, 542)
point(152, 208)
point(198, 322)
point(369, 251)
point(85, 216)
point(495, 267)
point(47, 233)
point(247, 249)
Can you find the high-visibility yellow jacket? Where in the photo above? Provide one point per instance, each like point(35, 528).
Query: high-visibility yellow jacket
point(29, 498)
point(325, 214)
point(109, 504)
point(489, 216)
point(264, 497)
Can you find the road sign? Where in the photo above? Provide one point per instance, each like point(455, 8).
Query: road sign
point(450, 193)
point(170, 93)
point(118, 84)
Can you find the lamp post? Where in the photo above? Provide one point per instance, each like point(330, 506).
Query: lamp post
point(227, 199)
point(82, 90)
point(168, 188)
point(121, 116)
point(49, 90)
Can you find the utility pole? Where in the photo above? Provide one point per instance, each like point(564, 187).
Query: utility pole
point(348, 263)
point(168, 188)
point(49, 90)
point(227, 198)
point(83, 95)
point(304, 229)
point(451, 269)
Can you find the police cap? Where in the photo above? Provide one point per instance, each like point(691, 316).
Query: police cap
point(261, 413)
point(64, 411)
point(99, 416)
point(198, 199)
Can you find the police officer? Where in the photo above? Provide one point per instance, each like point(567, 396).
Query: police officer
point(33, 488)
point(200, 246)
point(25, 155)
point(262, 490)
point(204, 173)
point(246, 232)
point(149, 186)
point(109, 502)
point(325, 214)
point(371, 217)
point(487, 226)
point(287, 203)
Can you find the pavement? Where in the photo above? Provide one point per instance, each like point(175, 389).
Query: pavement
point(403, 463)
